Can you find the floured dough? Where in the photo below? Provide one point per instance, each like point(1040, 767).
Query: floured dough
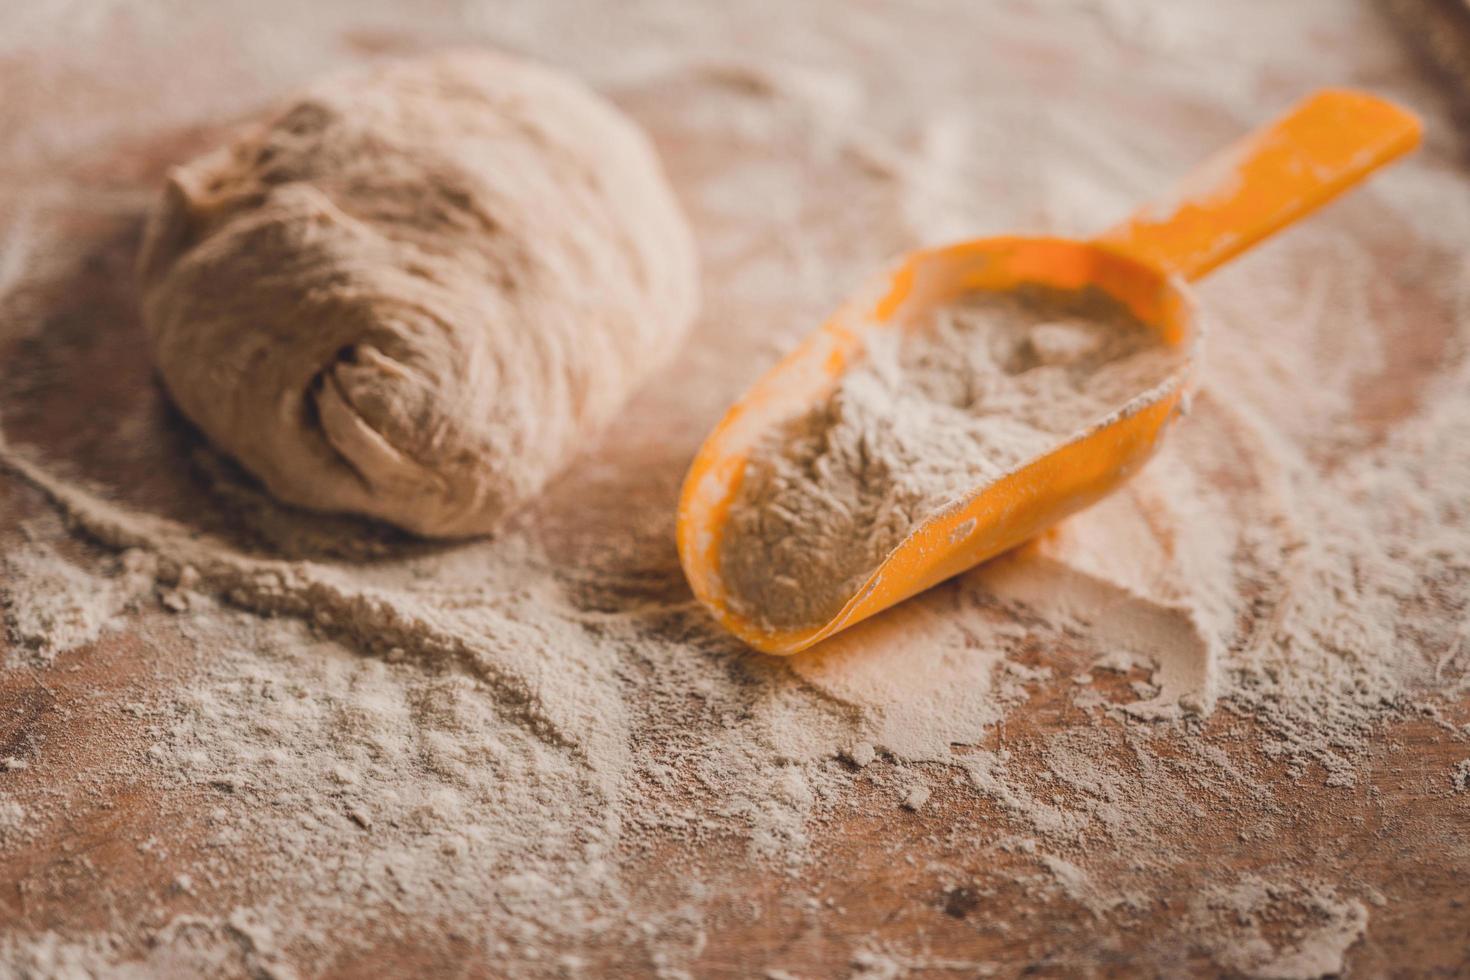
point(413, 293)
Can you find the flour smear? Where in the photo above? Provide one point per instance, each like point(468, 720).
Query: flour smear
point(500, 733)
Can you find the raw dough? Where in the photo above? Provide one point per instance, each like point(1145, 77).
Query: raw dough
point(413, 293)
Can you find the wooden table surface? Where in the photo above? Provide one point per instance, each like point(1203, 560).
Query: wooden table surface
point(898, 891)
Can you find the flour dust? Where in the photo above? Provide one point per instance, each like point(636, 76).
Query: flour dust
point(492, 734)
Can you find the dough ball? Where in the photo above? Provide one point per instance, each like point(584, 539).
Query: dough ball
point(413, 293)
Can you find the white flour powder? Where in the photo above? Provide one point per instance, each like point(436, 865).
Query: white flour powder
point(49, 605)
point(945, 405)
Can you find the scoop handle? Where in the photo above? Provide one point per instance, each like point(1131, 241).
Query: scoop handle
point(1322, 146)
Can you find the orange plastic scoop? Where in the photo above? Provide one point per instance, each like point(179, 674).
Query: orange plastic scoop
point(1299, 162)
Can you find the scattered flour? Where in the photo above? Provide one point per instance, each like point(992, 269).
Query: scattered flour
point(1277, 931)
point(50, 605)
point(12, 822)
point(916, 797)
point(356, 737)
point(936, 408)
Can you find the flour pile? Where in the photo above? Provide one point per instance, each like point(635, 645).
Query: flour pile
point(243, 740)
point(970, 392)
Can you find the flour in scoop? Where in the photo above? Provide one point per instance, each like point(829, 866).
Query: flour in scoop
point(954, 401)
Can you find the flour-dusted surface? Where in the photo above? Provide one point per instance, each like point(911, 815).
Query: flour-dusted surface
point(1214, 723)
point(932, 412)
